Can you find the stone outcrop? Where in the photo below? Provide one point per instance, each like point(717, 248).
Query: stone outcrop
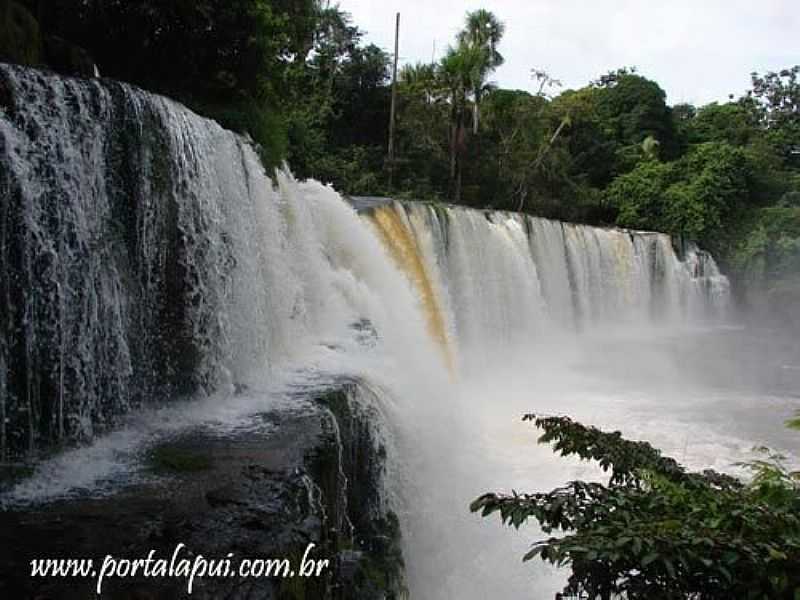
point(309, 475)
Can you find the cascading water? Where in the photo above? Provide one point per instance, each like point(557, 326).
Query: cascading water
point(508, 277)
point(145, 255)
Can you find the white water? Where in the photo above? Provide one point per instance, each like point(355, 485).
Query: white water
point(535, 316)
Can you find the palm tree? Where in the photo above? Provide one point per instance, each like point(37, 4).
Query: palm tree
point(457, 72)
point(419, 79)
point(481, 34)
point(460, 74)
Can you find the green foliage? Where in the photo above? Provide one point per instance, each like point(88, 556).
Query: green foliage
point(589, 140)
point(227, 59)
point(515, 124)
point(713, 186)
point(658, 531)
point(423, 133)
point(694, 196)
point(20, 39)
point(479, 40)
point(266, 127)
point(353, 169)
point(339, 108)
point(482, 30)
point(775, 101)
point(771, 248)
point(794, 423)
point(731, 123)
point(449, 93)
point(635, 108)
point(296, 76)
point(639, 196)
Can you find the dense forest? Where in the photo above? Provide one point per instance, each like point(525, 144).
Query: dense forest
point(297, 76)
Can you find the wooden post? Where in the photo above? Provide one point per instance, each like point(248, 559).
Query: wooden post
point(394, 100)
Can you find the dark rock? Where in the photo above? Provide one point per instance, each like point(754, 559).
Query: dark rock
point(263, 494)
point(349, 562)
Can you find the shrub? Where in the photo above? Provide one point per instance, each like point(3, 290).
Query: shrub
point(656, 530)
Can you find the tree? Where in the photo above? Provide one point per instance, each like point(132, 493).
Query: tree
point(775, 101)
point(337, 106)
point(635, 108)
point(361, 98)
point(482, 34)
point(581, 161)
point(423, 132)
point(699, 196)
point(777, 95)
point(639, 196)
point(611, 78)
point(458, 70)
point(20, 39)
point(615, 123)
point(768, 254)
point(353, 126)
point(206, 48)
point(656, 530)
point(461, 76)
point(228, 59)
point(731, 123)
point(513, 128)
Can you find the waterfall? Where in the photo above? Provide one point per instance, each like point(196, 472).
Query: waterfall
point(506, 279)
point(397, 238)
point(147, 259)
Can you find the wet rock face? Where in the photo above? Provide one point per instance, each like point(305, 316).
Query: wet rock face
point(354, 493)
point(113, 261)
point(253, 494)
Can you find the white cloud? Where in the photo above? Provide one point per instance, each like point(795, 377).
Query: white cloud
point(698, 50)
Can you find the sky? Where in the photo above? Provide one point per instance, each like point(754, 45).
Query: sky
point(699, 51)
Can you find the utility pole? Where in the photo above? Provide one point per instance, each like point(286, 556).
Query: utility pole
point(394, 100)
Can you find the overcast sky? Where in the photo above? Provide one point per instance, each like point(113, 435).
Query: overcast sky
point(698, 50)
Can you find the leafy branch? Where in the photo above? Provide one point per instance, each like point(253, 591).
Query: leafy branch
point(656, 530)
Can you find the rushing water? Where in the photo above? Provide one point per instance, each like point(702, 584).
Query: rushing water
point(149, 266)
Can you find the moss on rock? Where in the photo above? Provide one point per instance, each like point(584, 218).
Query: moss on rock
point(170, 459)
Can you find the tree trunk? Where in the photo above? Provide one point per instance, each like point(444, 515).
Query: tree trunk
point(453, 146)
point(543, 150)
point(460, 134)
point(458, 182)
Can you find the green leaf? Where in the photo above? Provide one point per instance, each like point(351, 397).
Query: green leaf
point(777, 554)
point(726, 573)
point(655, 522)
point(670, 567)
point(533, 553)
point(637, 546)
point(649, 558)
